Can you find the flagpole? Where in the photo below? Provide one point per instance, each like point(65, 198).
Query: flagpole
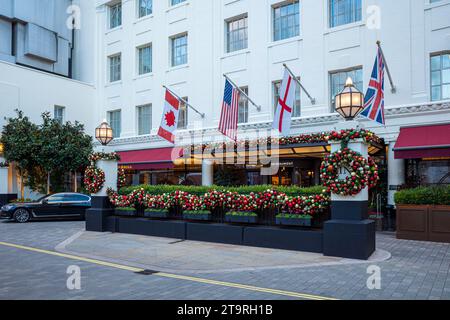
point(313, 100)
point(185, 102)
point(393, 88)
point(243, 93)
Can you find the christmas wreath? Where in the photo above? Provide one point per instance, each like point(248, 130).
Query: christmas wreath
point(94, 179)
point(373, 177)
point(357, 166)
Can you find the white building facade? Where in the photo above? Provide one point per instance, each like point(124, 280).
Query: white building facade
point(189, 45)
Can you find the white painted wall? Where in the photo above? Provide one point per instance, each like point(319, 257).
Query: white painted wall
point(407, 41)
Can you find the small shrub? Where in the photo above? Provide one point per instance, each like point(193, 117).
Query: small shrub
point(424, 196)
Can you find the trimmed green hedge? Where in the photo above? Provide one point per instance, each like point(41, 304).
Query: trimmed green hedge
point(424, 196)
point(244, 190)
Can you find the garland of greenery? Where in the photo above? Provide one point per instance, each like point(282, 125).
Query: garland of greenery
point(97, 156)
point(358, 167)
point(94, 179)
point(323, 137)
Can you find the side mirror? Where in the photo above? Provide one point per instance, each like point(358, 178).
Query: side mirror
point(45, 201)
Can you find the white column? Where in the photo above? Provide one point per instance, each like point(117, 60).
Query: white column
point(110, 168)
point(4, 174)
point(207, 173)
point(396, 173)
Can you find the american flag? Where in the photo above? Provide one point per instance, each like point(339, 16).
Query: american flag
point(230, 110)
point(374, 99)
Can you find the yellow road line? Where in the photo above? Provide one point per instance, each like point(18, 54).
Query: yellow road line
point(171, 276)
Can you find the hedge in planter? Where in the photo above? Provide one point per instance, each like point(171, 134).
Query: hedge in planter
point(201, 215)
point(157, 213)
point(242, 217)
point(424, 196)
point(125, 212)
point(294, 220)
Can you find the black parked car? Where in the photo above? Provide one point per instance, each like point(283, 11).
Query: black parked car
point(56, 206)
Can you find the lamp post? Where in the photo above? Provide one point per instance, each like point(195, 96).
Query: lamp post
point(97, 217)
point(349, 233)
point(350, 101)
point(104, 134)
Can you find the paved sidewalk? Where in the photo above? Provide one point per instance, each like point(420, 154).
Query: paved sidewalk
point(171, 255)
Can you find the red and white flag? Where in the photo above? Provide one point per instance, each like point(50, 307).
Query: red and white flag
point(283, 115)
point(169, 121)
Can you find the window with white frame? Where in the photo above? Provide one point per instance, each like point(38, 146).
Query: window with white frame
point(115, 68)
point(344, 12)
point(440, 76)
point(243, 106)
point(115, 15)
point(183, 115)
point(179, 50)
point(145, 59)
point(286, 20)
point(144, 119)
point(145, 8)
point(175, 2)
point(115, 121)
point(237, 34)
point(339, 78)
point(276, 97)
point(59, 113)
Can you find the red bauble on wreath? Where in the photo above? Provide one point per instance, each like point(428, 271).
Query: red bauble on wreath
point(94, 179)
point(358, 167)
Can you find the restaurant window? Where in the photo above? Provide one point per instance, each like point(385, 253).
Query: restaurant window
point(183, 115)
point(339, 78)
point(145, 8)
point(115, 15)
point(428, 172)
point(144, 115)
point(237, 34)
point(440, 77)
point(286, 21)
point(115, 121)
point(344, 12)
point(243, 106)
point(276, 96)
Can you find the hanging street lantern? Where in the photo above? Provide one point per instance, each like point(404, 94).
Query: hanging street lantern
point(350, 101)
point(104, 133)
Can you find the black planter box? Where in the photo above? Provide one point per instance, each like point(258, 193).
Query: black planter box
point(216, 233)
point(241, 219)
point(286, 239)
point(157, 214)
point(294, 222)
point(125, 213)
point(197, 217)
point(153, 228)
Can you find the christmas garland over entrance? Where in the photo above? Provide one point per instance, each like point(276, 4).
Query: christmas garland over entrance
point(361, 172)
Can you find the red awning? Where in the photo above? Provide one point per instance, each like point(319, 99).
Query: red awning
point(423, 142)
point(150, 159)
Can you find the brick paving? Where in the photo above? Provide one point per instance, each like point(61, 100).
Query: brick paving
point(417, 270)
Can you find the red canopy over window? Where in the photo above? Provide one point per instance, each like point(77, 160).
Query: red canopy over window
point(423, 142)
point(150, 159)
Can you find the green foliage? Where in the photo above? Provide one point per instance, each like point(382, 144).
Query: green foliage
point(126, 209)
point(244, 190)
point(242, 214)
point(294, 216)
point(424, 196)
point(45, 151)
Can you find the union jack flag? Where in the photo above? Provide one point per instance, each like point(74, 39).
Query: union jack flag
point(374, 99)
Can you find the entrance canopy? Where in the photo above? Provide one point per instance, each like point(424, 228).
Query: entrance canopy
point(423, 142)
point(150, 159)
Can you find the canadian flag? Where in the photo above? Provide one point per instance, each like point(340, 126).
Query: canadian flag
point(169, 121)
point(283, 115)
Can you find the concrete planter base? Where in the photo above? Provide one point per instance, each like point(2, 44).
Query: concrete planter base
point(301, 222)
point(125, 213)
point(157, 214)
point(241, 219)
point(197, 217)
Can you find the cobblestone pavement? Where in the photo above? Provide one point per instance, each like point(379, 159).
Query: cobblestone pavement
point(417, 270)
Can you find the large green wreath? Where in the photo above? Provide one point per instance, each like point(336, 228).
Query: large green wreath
point(355, 163)
point(94, 179)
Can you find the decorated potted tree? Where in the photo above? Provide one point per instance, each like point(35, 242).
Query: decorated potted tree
point(299, 211)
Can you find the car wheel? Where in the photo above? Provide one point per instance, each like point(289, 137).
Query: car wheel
point(21, 215)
